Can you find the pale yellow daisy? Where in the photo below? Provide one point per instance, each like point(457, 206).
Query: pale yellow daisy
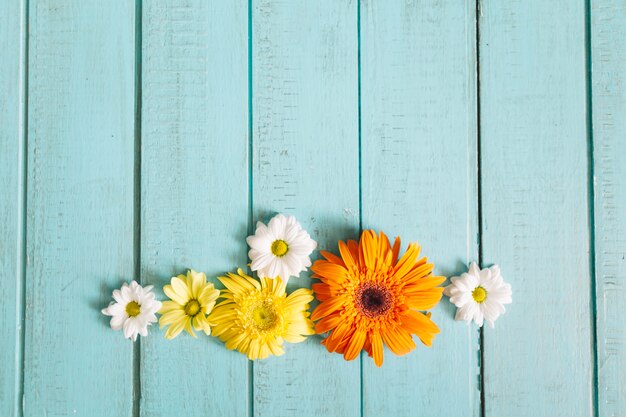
point(192, 299)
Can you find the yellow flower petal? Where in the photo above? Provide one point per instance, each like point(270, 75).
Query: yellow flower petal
point(188, 327)
point(255, 318)
point(198, 281)
point(169, 291)
point(175, 329)
point(170, 306)
point(181, 289)
point(171, 317)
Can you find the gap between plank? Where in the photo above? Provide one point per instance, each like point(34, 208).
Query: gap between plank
point(250, 189)
point(20, 294)
point(591, 209)
point(358, 42)
point(136, 354)
point(481, 340)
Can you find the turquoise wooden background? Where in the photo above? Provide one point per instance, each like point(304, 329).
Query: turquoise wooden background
point(138, 139)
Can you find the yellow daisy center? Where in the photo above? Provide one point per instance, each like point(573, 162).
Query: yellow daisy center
point(479, 294)
point(133, 309)
point(279, 248)
point(264, 315)
point(192, 307)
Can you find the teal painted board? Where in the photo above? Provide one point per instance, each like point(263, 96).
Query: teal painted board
point(608, 48)
point(79, 208)
point(305, 163)
point(419, 176)
point(194, 183)
point(534, 172)
point(12, 80)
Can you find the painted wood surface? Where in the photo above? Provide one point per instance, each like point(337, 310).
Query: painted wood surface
point(80, 206)
point(419, 166)
point(12, 79)
point(306, 162)
point(194, 190)
point(535, 196)
point(608, 48)
point(138, 140)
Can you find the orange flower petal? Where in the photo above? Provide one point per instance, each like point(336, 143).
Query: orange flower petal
point(421, 325)
point(330, 272)
point(424, 300)
point(347, 256)
point(356, 344)
point(331, 257)
point(406, 262)
point(395, 250)
point(328, 323)
point(377, 349)
point(327, 307)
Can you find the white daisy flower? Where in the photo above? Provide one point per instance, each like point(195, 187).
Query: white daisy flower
point(280, 249)
point(479, 294)
point(134, 310)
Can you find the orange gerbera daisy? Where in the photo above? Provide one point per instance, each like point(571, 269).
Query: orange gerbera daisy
point(369, 297)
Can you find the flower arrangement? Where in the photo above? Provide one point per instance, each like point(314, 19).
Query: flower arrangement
point(370, 296)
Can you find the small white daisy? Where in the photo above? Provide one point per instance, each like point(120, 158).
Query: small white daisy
point(479, 294)
point(133, 310)
point(280, 249)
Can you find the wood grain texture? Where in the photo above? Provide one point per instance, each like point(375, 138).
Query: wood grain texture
point(305, 163)
point(534, 166)
point(80, 207)
point(608, 48)
point(419, 166)
point(194, 182)
point(12, 61)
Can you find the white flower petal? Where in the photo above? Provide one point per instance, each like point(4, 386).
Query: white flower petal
point(117, 322)
point(137, 325)
point(277, 226)
point(478, 317)
point(474, 269)
point(460, 293)
point(117, 296)
point(299, 248)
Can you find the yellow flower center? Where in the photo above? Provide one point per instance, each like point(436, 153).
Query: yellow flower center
point(264, 315)
point(192, 307)
point(479, 294)
point(133, 309)
point(279, 248)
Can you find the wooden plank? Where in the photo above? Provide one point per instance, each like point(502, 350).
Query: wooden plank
point(418, 103)
point(12, 79)
point(195, 193)
point(538, 359)
point(305, 163)
point(80, 206)
point(608, 46)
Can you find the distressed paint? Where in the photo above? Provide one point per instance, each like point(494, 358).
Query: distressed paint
point(194, 183)
point(608, 46)
point(12, 61)
point(538, 360)
point(305, 163)
point(80, 207)
point(98, 202)
point(419, 166)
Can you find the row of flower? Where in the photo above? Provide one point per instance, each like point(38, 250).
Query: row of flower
point(369, 296)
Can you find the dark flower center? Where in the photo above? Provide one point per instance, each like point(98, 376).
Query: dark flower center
point(373, 300)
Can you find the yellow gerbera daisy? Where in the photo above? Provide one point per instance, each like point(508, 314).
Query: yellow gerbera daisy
point(255, 318)
point(192, 299)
